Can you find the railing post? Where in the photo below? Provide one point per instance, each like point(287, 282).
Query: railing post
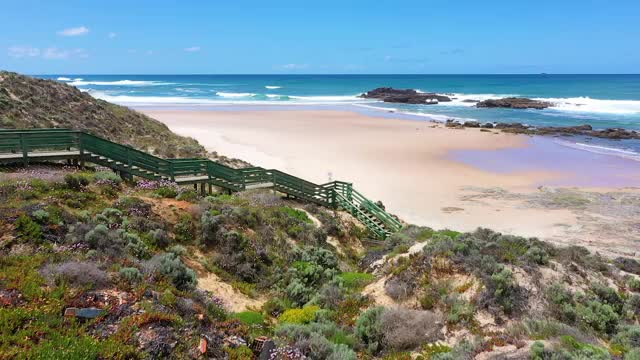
point(25, 150)
point(80, 149)
point(333, 198)
point(171, 172)
point(274, 182)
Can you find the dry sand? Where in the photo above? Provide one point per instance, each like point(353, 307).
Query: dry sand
point(403, 163)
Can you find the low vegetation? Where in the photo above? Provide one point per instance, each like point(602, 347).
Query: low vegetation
point(92, 267)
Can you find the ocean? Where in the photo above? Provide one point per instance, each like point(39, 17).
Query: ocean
point(599, 100)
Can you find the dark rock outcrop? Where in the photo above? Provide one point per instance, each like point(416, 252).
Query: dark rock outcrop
point(581, 130)
point(514, 103)
point(405, 96)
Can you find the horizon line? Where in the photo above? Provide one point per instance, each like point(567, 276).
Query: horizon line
point(326, 74)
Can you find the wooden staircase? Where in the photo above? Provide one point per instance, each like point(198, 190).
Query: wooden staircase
point(30, 145)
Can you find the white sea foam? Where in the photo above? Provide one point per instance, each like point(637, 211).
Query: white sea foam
point(433, 117)
point(272, 87)
point(234, 95)
point(62, 78)
point(466, 99)
point(575, 104)
point(329, 99)
point(150, 100)
point(603, 150)
point(589, 105)
point(80, 82)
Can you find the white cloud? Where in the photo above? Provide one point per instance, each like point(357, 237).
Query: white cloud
point(192, 49)
point(23, 51)
point(294, 66)
point(55, 53)
point(51, 53)
point(76, 31)
point(112, 35)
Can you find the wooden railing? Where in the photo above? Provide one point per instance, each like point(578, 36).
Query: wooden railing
point(46, 144)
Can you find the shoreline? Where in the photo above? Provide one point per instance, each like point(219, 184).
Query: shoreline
point(406, 164)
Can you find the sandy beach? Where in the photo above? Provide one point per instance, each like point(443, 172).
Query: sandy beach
point(409, 167)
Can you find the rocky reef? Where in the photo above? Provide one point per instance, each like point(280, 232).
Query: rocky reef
point(518, 128)
point(405, 96)
point(514, 103)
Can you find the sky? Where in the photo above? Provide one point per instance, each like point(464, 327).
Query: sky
point(320, 37)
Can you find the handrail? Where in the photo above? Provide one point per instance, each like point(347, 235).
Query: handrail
point(25, 144)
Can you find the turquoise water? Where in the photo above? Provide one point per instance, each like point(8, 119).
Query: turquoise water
point(600, 100)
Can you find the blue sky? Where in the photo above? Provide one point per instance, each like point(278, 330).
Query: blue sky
point(237, 37)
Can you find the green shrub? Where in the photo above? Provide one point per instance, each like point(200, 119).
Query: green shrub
point(110, 216)
point(135, 246)
point(167, 298)
point(355, 280)
point(537, 255)
point(184, 230)
point(428, 300)
point(633, 354)
point(275, 306)
point(131, 275)
point(460, 311)
point(296, 214)
point(632, 307)
point(299, 316)
point(503, 287)
point(318, 340)
point(188, 195)
point(249, 317)
point(315, 267)
point(578, 350)
point(105, 240)
point(600, 317)
point(634, 284)
point(41, 216)
point(216, 311)
point(563, 304)
point(160, 238)
point(240, 353)
point(369, 329)
point(210, 224)
point(179, 250)
point(107, 176)
point(27, 230)
point(608, 296)
point(627, 338)
point(76, 181)
point(429, 351)
point(172, 267)
point(536, 351)
point(168, 192)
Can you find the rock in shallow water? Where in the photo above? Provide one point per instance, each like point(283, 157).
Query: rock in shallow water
point(405, 96)
point(514, 103)
point(582, 130)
